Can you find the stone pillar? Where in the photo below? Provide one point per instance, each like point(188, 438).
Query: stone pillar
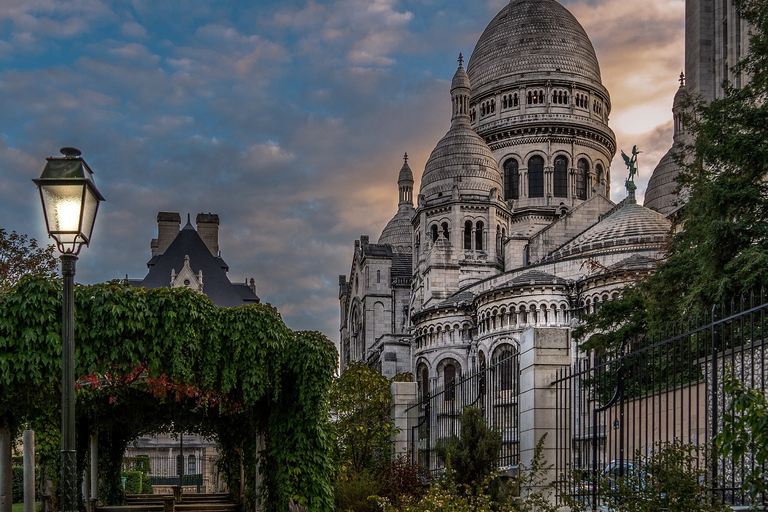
point(6, 490)
point(94, 467)
point(29, 469)
point(403, 396)
point(543, 351)
point(258, 479)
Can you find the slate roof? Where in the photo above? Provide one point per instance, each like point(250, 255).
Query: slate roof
point(216, 284)
point(628, 224)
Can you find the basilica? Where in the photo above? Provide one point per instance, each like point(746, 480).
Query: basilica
point(512, 225)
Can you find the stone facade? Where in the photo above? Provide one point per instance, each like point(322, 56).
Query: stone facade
point(513, 229)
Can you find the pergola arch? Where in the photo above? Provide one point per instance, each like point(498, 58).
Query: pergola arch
point(238, 372)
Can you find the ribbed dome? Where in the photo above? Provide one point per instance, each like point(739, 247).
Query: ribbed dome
point(660, 194)
point(629, 224)
point(463, 159)
point(532, 36)
point(399, 230)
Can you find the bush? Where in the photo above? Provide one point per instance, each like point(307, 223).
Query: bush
point(17, 484)
point(474, 454)
point(133, 482)
point(400, 479)
point(353, 493)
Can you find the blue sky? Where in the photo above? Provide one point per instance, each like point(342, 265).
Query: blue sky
point(287, 118)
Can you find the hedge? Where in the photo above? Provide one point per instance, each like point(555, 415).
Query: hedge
point(132, 482)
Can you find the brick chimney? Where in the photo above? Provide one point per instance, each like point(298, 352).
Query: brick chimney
point(208, 229)
point(167, 228)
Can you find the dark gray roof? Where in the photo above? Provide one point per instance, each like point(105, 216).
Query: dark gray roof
point(536, 277)
point(216, 284)
point(402, 266)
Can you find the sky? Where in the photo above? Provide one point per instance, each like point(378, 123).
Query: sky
point(287, 118)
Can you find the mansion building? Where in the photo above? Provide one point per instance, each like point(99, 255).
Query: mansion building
point(512, 225)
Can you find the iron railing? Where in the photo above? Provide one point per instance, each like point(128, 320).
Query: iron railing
point(615, 412)
point(495, 390)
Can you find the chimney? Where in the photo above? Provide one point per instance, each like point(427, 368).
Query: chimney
point(167, 229)
point(208, 229)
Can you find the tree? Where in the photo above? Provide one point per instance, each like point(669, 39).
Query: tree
point(722, 250)
point(745, 435)
point(21, 255)
point(474, 454)
point(360, 398)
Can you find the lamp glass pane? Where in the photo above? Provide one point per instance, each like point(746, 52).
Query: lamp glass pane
point(89, 213)
point(62, 209)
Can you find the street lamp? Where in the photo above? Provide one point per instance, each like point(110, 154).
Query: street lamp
point(70, 201)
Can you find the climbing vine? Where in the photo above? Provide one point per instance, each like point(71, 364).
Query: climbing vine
point(152, 360)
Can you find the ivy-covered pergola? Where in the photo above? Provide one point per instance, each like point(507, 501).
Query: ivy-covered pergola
point(147, 360)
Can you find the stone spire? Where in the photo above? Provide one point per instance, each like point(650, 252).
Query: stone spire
point(460, 91)
point(405, 183)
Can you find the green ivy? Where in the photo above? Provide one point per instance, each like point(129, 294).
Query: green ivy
point(152, 360)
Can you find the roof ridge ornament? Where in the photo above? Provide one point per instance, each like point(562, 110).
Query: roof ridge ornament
point(461, 59)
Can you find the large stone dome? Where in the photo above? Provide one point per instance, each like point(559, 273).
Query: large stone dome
point(532, 37)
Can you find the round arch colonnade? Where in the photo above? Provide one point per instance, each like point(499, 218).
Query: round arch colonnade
point(149, 359)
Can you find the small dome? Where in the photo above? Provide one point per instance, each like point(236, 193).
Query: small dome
point(660, 194)
point(532, 36)
point(398, 231)
point(460, 78)
point(629, 224)
point(463, 159)
point(406, 175)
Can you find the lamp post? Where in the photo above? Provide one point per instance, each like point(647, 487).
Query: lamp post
point(70, 201)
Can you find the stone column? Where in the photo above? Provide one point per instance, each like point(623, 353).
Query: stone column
point(29, 469)
point(403, 396)
point(94, 467)
point(543, 351)
point(6, 491)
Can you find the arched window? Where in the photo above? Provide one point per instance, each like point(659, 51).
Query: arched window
point(191, 465)
point(378, 276)
point(599, 173)
point(449, 381)
point(445, 231)
point(468, 235)
point(536, 177)
point(498, 239)
point(511, 179)
point(504, 357)
point(424, 382)
point(582, 179)
point(434, 232)
point(561, 177)
point(530, 97)
point(515, 100)
point(479, 236)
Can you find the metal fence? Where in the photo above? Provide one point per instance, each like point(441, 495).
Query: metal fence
point(495, 390)
point(200, 472)
point(615, 412)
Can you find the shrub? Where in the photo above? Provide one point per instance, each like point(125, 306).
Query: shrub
point(475, 453)
point(354, 493)
point(400, 479)
point(133, 481)
point(17, 484)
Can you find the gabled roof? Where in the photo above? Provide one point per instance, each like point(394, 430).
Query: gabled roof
point(216, 284)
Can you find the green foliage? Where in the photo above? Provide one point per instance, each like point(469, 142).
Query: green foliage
point(360, 399)
point(152, 360)
point(669, 481)
point(20, 255)
point(745, 434)
point(17, 484)
point(355, 492)
point(133, 481)
point(474, 454)
point(400, 479)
